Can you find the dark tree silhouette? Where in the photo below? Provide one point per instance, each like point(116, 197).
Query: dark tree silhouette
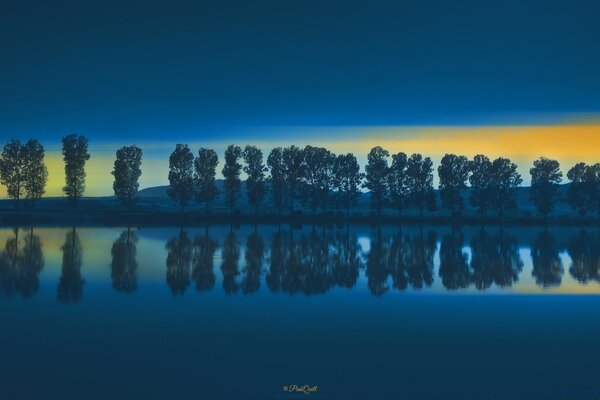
point(376, 177)
point(504, 180)
point(231, 172)
point(377, 271)
point(70, 284)
point(203, 262)
point(594, 176)
point(12, 170)
point(35, 171)
point(124, 264)
point(346, 180)
point(277, 178)
point(480, 180)
point(398, 181)
point(75, 155)
point(127, 171)
point(229, 267)
point(419, 180)
point(545, 177)
point(453, 172)
point(293, 163)
point(255, 254)
point(181, 175)
point(454, 267)
point(178, 262)
point(205, 170)
point(547, 265)
point(584, 251)
point(317, 179)
point(583, 189)
point(255, 169)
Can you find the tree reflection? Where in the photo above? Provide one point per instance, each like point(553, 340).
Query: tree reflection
point(454, 266)
point(345, 259)
point(20, 268)
point(398, 259)
point(255, 254)
point(419, 260)
point(495, 260)
point(547, 265)
point(229, 267)
point(124, 264)
point(377, 264)
point(584, 250)
point(70, 284)
point(179, 258)
point(280, 253)
point(202, 261)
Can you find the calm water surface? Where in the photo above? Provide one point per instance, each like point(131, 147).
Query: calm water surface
point(358, 312)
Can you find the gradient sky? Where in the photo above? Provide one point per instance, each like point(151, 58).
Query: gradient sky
point(427, 76)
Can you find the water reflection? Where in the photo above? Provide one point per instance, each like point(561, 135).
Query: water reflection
point(124, 264)
point(495, 259)
point(584, 250)
point(454, 262)
point(179, 259)
point(547, 265)
point(311, 260)
point(203, 262)
point(20, 266)
point(229, 266)
point(255, 254)
point(70, 284)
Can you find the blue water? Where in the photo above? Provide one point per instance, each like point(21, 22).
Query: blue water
point(135, 314)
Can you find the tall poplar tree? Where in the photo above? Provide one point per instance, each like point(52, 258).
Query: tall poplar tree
point(75, 154)
point(127, 171)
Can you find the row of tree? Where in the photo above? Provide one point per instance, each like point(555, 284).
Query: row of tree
point(313, 177)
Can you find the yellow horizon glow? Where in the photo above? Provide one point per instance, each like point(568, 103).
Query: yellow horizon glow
point(568, 143)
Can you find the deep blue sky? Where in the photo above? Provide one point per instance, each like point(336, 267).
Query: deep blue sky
point(191, 69)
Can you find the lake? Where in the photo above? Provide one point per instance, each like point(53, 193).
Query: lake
point(352, 312)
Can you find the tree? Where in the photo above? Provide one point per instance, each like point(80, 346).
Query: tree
point(376, 177)
point(593, 175)
point(582, 191)
point(75, 154)
point(480, 180)
point(293, 162)
point(231, 173)
point(35, 171)
point(545, 177)
point(453, 172)
point(12, 170)
point(419, 180)
point(318, 177)
point(397, 181)
point(205, 166)
point(255, 169)
point(127, 171)
point(277, 178)
point(181, 175)
point(504, 180)
point(347, 178)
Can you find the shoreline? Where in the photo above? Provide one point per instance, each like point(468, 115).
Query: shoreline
point(198, 218)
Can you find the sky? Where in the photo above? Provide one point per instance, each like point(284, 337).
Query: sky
point(518, 78)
